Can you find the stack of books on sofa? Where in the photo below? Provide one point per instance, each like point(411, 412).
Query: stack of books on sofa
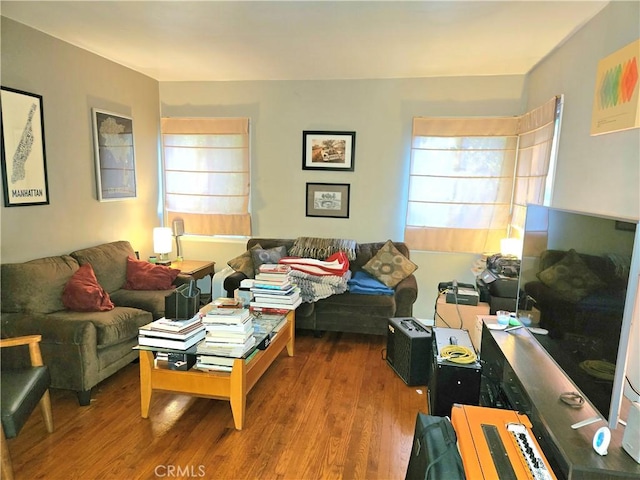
point(229, 335)
point(172, 334)
point(273, 291)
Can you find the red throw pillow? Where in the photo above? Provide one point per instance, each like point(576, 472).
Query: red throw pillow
point(83, 293)
point(143, 275)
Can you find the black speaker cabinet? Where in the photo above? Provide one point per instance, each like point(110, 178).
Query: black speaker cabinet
point(450, 382)
point(409, 350)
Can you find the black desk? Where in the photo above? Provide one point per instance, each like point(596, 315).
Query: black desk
point(518, 373)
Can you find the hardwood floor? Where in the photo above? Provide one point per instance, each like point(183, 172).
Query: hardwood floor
point(337, 411)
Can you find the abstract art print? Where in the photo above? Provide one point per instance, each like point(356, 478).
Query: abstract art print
point(616, 101)
point(24, 165)
point(115, 156)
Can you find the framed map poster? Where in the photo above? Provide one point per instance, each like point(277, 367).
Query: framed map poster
point(24, 166)
point(115, 156)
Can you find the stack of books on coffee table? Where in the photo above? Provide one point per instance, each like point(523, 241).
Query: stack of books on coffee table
point(229, 335)
point(273, 291)
point(172, 334)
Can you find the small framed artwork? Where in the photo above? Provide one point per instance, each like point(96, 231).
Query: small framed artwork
point(115, 156)
point(24, 165)
point(328, 200)
point(328, 150)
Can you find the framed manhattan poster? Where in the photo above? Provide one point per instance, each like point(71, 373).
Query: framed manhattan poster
point(328, 150)
point(24, 166)
point(328, 200)
point(115, 156)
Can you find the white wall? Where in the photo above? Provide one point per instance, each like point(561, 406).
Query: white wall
point(72, 81)
point(598, 174)
point(380, 112)
point(595, 174)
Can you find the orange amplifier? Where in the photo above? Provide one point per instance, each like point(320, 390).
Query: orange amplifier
point(498, 444)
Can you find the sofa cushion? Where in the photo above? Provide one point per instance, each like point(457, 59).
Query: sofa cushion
point(362, 305)
point(271, 255)
point(366, 251)
point(36, 286)
point(571, 277)
point(244, 262)
point(389, 265)
point(143, 275)
point(109, 262)
point(111, 327)
point(150, 300)
point(83, 293)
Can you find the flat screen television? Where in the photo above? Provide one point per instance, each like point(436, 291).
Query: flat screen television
point(580, 271)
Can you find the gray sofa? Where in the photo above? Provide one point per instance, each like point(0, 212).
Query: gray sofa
point(80, 348)
point(346, 312)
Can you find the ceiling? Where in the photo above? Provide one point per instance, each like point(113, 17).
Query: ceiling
point(302, 40)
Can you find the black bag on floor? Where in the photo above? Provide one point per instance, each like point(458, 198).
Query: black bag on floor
point(434, 455)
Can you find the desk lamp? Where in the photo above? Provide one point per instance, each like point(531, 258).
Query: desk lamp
point(178, 230)
point(511, 247)
point(162, 244)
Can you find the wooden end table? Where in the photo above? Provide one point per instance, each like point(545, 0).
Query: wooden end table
point(232, 386)
point(198, 269)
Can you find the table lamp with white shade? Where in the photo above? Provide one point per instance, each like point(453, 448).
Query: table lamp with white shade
point(162, 239)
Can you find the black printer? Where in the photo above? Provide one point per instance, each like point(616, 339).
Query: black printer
point(498, 283)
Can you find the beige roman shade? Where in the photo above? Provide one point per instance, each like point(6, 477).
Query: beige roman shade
point(471, 178)
point(207, 174)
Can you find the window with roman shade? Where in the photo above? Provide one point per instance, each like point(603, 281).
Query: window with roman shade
point(207, 174)
point(538, 137)
point(471, 178)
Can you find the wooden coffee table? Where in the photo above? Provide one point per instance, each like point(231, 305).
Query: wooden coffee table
point(232, 386)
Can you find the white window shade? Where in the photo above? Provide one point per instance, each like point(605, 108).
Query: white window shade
point(471, 178)
point(537, 131)
point(460, 186)
point(207, 174)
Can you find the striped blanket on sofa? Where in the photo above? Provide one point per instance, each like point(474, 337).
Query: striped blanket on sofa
point(318, 279)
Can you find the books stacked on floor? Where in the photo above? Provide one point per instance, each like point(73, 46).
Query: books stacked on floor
point(229, 333)
point(172, 334)
point(273, 291)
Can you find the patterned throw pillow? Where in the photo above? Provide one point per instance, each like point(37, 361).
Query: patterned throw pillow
point(272, 255)
point(83, 293)
point(244, 263)
point(389, 265)
point(571, 278)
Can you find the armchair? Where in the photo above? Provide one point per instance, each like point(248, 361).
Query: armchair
point(21, 390)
